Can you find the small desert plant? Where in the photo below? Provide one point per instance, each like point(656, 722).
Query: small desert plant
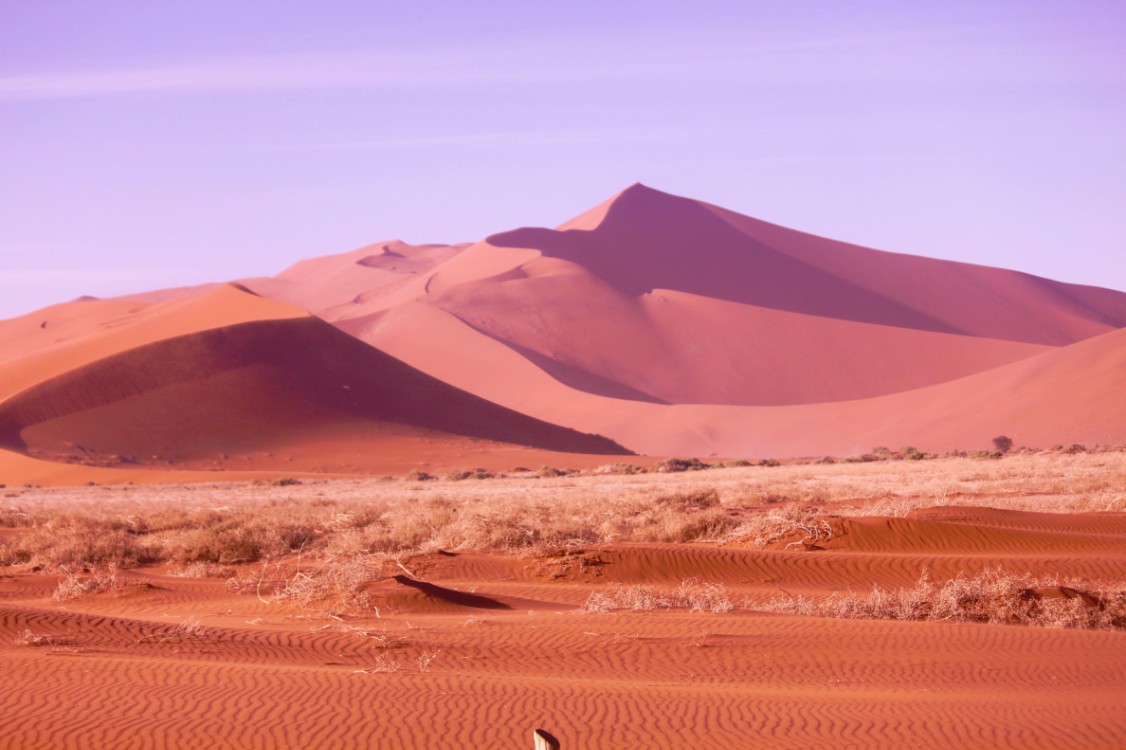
point(71, 586)
point(425, 659)
point(337, 585)
point(782, 523)
point(285, 482)
point(460, 475)
point(1003, 443)
point(27, 637)
point(690, 595)
point(992, 596)
point(189, 629)
point(619, 468)
point(384, 664)
point(692, 500)
point(675, 465)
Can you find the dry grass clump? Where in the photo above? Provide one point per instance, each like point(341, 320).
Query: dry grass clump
point(462, 474)
point(79, 540)
point(992, 596)
point(690, 594)
point(28, 637)
point(792, 524)
point(72, 585)
point(189, 629)
point(334, 586)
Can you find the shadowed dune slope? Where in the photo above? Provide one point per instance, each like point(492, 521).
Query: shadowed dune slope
point(650, 240)
point(251, 385)
point(57, 339)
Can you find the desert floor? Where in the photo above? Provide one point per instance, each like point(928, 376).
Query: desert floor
point(730, 607)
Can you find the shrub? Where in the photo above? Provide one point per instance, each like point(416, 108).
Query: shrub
point(992, 596)
point(690, 594)
point(1003, 443)
point(463, 474)
point(285, 482)
point(698, 499)
point(674, 465)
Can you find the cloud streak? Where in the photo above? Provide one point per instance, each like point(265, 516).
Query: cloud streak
point(546, 61)
point(260, 73)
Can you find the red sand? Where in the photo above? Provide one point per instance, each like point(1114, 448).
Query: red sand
point(512, 652)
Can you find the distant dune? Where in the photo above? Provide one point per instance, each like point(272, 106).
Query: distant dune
point(652, 322)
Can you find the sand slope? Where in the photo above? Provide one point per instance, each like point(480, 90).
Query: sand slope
point(290, 385)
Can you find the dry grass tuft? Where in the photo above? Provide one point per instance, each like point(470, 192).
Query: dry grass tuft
point(992, 596)
point(72, 585)
point(690, 594)
point(28, 637)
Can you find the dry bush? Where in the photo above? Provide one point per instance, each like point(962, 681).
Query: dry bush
point(334, 586)
point(76, 540)
point(792, 524)
point(674, 465)
point(72, 585)
point(28, 637)
point(383, 664)
point(189, 629)
point(992, 596)
point(202, 570)
point(690, 594)
point(425, 659)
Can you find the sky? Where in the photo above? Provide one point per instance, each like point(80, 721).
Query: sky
point(155, 144)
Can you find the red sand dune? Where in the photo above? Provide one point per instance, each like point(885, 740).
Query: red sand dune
point(666, 324)
point(650, 317)
point(293, 386)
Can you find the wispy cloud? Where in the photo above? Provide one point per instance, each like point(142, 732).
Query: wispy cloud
point(597, 58)
point(278, 72)
point(507, 137)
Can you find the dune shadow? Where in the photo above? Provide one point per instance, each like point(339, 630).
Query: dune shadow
point(461, 598)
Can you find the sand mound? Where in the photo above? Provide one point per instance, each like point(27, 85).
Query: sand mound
point(254, 386)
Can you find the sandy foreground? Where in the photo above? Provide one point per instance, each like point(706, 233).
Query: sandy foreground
point(646, 610)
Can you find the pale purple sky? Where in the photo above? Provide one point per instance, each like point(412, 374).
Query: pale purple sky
point(150, 144)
